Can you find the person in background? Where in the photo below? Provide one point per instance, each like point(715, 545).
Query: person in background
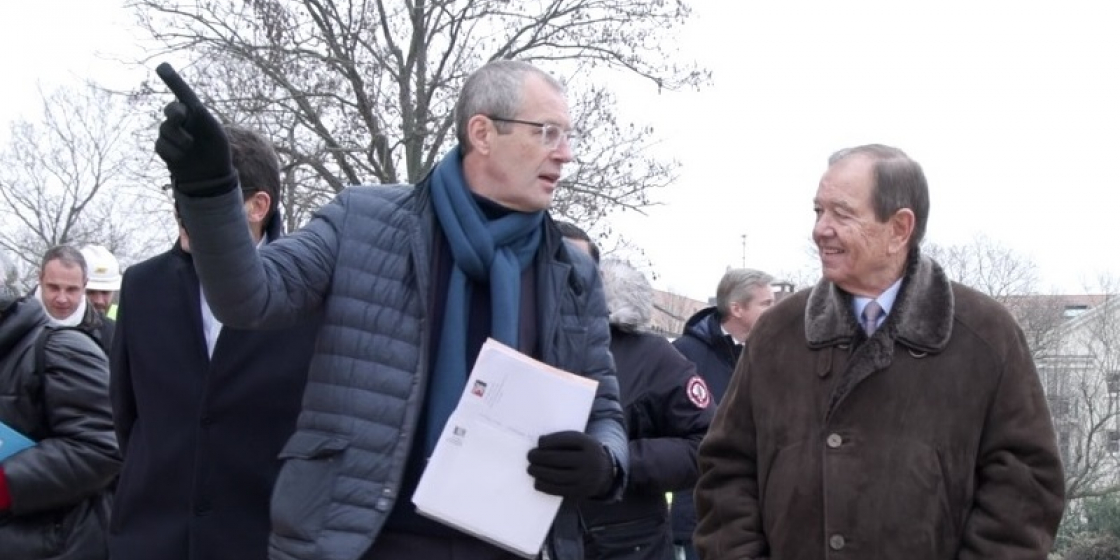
point(713, 339)
point(104, 279)
point(54, 495)
point(202, 409)
point(887, 412)
point(63, 276)
point(668, 409)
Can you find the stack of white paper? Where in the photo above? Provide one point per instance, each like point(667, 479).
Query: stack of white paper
point(476, 479)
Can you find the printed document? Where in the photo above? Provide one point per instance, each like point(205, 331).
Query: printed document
point(476, 479)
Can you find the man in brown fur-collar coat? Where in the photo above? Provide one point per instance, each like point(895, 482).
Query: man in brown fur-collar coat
point(887, 413)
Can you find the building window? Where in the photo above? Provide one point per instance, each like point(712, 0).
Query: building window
point(1113, 382)
point(1059, 406)
point(1113, 441)
point(1074, 310)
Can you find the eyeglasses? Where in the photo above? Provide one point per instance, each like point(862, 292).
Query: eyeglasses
point(551, 134)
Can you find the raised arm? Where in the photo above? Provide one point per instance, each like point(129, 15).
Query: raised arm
point(279, 286)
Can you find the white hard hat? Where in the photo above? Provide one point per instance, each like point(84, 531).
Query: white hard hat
point(104, 270)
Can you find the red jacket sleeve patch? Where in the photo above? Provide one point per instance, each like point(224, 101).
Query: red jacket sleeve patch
point(698, 392)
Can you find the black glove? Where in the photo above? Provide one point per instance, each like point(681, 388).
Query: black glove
point(572, 465)
point(193, 143)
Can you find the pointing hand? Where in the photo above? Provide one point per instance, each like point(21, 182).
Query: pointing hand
point(192, 142)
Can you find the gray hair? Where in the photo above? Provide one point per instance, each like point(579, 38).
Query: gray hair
point(495, 89)
point(736, 285)
point(899, 183)
point(68, 256)
point(629, 295)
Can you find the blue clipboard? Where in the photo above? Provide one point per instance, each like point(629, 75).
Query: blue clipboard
point(12, 442)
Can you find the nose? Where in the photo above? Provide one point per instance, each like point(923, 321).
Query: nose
point(564, 150)
point(822, 228)
point(100, 300)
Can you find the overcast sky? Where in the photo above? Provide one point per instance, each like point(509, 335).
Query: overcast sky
point(1011, 108)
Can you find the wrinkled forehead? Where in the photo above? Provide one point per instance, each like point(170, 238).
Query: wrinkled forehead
point(851, 180)
point(60, 271)
point(541, 100)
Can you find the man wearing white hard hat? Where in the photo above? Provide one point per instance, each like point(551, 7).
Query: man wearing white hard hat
point(104, 278)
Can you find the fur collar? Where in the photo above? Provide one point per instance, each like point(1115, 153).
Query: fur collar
point(921, 318)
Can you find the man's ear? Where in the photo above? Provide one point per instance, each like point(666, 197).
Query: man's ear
point(257, 206)
point(480, 132)
point(902, 228)
point(735, 308)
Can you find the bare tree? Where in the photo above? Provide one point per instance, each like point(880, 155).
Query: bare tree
point(987, 265)
point(1042, 317)
point(1081, 373)
point(71, 175)
point(671, 311)
point(358, 91)
point(1078, 356)
point(804, 277)
point(1079, 363)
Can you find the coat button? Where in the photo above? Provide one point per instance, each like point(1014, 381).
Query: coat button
point(836, 542)
point(834, 440)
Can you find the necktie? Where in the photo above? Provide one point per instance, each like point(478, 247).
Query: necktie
point(870, 318)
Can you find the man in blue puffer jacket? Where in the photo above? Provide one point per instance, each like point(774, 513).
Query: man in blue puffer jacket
point(411, 281)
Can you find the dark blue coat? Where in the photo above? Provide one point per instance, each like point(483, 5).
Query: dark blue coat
point(667, 414)
point(200, 436)
point(705, 345)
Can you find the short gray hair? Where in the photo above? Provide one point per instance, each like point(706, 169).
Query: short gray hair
point(735, 287)
point(628, 293)
point(899, 183)
point(495, 89)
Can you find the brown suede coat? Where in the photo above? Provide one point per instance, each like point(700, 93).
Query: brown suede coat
point(929, 441)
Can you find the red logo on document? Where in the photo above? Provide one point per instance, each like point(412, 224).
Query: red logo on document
point(479, 388)
point(698, 392)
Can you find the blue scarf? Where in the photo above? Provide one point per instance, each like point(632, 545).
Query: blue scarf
point(484, 251)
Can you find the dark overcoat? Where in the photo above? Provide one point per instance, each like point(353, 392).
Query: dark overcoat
point(930, 440)
point(200, 436)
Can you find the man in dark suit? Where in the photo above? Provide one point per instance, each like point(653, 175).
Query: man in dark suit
point(201, 410)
